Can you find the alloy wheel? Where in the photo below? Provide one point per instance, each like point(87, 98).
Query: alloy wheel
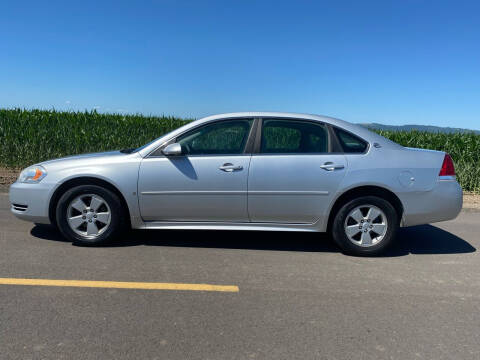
point(366, 225)
point(89, 215)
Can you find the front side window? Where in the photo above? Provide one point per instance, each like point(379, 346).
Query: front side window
point(350, 143)
point(222, 137)
point(293, 137)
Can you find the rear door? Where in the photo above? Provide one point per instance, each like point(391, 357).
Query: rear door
point(293, 174)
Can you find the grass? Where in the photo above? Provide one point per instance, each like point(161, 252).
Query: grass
point(31, 136)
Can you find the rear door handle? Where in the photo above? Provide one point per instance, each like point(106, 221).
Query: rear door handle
point(229, 167)
point(330, 166)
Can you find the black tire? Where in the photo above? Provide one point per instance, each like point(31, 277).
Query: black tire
point(340, 237)
point(118, 217)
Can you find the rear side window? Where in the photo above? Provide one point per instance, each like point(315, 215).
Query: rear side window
point(293, 137)
point(350, 143)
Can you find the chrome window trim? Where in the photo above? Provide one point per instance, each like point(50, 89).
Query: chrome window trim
point(256, 133)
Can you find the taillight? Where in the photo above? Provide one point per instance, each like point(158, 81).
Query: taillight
point(447, 167)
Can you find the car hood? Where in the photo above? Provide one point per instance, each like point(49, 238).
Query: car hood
point(85, 158)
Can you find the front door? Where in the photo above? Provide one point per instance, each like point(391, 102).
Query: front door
point(208, 182)
point(293, 176)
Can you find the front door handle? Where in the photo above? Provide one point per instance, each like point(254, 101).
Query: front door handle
point(229, 167)
point(330, 166)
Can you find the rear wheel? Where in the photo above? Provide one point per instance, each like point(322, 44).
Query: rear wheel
point(90, 215)
point(365, 226)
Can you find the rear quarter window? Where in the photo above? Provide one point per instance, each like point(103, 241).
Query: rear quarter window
point(350, 143)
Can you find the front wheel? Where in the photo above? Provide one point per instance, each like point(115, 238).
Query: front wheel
point(90, 215)
point(365, 226)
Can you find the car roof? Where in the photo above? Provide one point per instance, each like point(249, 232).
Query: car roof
point(273, 114)
point(358, 130)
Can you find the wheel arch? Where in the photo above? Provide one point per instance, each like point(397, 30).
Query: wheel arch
point(84, 180)
point(365, 190)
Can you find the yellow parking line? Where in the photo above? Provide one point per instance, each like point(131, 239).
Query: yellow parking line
point(119, 285)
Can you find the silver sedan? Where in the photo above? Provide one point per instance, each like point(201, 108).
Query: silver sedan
point(246, 171)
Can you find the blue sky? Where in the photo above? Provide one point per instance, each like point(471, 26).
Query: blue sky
point(394, 62)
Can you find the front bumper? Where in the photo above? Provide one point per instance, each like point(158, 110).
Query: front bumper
point(30, 202)
point(443, 202)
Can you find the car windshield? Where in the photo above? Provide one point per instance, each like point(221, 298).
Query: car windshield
point(134, 150)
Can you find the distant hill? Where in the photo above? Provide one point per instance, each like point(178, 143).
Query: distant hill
point(428, 128)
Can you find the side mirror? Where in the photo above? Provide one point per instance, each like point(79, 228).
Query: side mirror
point(174, 149)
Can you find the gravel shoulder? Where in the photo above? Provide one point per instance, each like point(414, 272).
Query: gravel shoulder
point(7, 176)
point(471, 201)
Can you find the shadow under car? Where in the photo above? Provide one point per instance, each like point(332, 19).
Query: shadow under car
point(423, 239)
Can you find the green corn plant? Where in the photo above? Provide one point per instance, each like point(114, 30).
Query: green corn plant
point(32, 136)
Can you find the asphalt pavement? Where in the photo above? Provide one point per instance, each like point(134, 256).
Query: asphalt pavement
point(298, 297)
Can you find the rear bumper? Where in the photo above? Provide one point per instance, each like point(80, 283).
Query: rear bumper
point(30, 202)
point(443, 202)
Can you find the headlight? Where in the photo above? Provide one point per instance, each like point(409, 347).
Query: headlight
point(32, 175)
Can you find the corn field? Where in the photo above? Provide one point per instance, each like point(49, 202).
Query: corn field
point(31, 136)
